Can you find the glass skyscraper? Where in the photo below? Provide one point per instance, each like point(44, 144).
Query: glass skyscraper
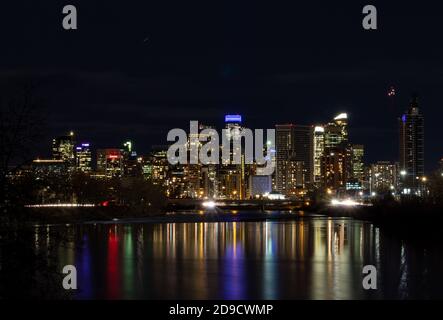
point(411, 134)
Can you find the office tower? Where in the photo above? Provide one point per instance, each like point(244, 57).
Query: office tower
point(63, 149)
point(159, 165)
point(383, 177)
point(411, 125)
point(83, 158)
point(110, 162)
point(284, 136)
point(357, 175)
point(208, 172)
point(303, 150)
point(318, 149)
point(175, 183)
point(232, 183)
point(334, 164)
point(358, 152)
point(132, 166)
point(296, 175)
point(209, 182)
point(291, 173)
point(336, 132)
point(199, 178)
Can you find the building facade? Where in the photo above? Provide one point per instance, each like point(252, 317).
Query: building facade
point(383, 177)
point(411, 138)
point(83, 157)
point(110, 162)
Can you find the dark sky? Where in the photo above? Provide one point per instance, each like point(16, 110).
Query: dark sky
point(134, 70)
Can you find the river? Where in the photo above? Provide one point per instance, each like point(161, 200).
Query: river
point(306, 258)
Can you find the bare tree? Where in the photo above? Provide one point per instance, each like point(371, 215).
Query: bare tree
point(21, 124)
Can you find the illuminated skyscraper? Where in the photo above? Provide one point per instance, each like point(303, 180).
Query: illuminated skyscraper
point(303, 150)
point(411, 127)
point(208, 182)
point(284, 136)
point(336, 132)
point(232, 181)
point(110, 162)
point(334, 168)
point(336, 163)
point(63, 149)
point(83, 157)
point(383, 177)
point(132, 166)
point(357, 176)
point(157, 167)
point(318, 149)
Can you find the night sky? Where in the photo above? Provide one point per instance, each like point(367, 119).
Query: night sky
point(137, 70)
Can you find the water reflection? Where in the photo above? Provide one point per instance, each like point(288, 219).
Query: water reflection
point(312, 258)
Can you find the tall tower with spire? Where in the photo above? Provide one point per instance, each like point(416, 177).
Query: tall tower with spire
point(411, 134)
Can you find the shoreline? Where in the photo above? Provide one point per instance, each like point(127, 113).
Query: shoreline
point(407, 221)
point(91, 216)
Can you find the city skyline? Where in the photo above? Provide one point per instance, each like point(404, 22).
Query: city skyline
point(241, 151)
point(303, 159)
point(431, 160)
point(312, 126)
point(121, 87)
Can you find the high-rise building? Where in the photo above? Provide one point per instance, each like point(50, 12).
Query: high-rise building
point(357, 176)
point(159, 165)
point(383, 177)
point(303, 150)
point(294, 161)
point(334, 168)
point(284, 136)
point(336, 132)
point(232, 177)
point(336, 162)
point(318, 149)
point(296, 176)
point(209, 181)
point(132, 165)
point(63, 149)
point(83, 158)
point(411, 127)
point(110, 162)
point(207, 173)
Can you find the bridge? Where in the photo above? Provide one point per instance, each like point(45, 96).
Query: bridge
point(244, 205)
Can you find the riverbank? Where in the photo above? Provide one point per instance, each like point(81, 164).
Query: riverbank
point(84, 214)
point(407, 221)
point(128, 215)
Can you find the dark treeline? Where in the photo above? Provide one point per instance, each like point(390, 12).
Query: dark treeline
point(134, 192)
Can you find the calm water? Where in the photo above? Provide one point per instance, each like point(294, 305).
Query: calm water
point(311, 258)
